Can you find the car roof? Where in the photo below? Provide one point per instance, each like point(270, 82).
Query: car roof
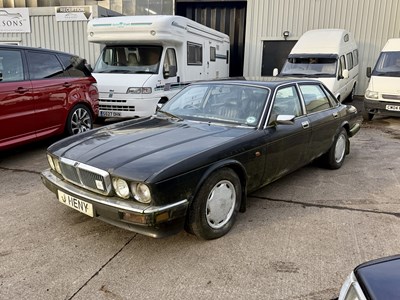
point(34, 48)
point(380, 278)
point(262, 81)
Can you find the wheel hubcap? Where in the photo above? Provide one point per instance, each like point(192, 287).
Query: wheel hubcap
point(80, 121)
point(220, 204)
point(340, 148)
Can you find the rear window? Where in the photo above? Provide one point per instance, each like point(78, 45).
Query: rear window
point(74, 65)
point(314, 98)
point(44, 65)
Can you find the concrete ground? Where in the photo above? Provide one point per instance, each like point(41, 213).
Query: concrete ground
point(299, 239)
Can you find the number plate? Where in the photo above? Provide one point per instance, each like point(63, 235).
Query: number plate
point(109, 114)
point(75, 203)
point(393, 107)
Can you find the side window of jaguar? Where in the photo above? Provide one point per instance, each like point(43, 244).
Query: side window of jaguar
point(287, 102)
point(314, 98)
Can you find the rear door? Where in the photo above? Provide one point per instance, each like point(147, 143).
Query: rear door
point(52, 88)
point(17, 109)
point(324, 119)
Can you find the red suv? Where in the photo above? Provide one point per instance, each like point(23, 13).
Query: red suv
point(43, 93)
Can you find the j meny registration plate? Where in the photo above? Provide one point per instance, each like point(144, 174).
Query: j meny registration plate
point(75, 203)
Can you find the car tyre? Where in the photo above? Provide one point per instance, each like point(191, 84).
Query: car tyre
point(100, 120)
point(79, 120)
point(334, 158)
point(214, 208)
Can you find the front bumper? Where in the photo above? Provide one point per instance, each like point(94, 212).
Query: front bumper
point(381, 107)
point(154, 221)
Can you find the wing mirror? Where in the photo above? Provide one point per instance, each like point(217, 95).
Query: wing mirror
point(369, 72)
point(284, 120)
point(345, 74)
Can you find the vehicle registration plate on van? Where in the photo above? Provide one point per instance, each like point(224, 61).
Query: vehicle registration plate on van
point(109, 114)
point(393, 107)
point(75, 203)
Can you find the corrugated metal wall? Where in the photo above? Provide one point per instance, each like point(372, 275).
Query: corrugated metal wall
point(371, 22)
point(46, 32)
point(227, 17)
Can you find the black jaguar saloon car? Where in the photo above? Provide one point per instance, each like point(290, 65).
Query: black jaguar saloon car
point(191, 165)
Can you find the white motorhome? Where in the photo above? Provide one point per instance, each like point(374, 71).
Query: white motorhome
point(329, 55)
point(148, 59)
point(383, 93)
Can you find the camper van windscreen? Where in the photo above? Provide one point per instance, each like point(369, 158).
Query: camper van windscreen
point(310, 66)
point(388, 64)
point(129, 60)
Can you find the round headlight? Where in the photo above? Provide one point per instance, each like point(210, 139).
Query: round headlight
point(121, 188)
point(141, 193)
point(57, 165)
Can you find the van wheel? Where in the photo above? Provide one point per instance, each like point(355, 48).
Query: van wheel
point(79, 120)
point(214, 208)
point(366, 115)
point(350, 97)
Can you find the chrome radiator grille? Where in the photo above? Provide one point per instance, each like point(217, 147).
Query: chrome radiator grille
point(86, 176)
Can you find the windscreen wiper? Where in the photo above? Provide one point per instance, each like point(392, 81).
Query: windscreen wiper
point(170, 115)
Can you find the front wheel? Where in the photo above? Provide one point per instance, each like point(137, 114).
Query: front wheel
point(350, 97)
point(214, 208)
point(79, 120)
point(366, 115)
point(334, 158)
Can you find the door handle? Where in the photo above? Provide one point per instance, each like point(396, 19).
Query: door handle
point(305, 124)
point(335, 115)
point(67, 84)
point(21, 90)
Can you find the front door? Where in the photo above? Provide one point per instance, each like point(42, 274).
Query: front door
point(286, 143)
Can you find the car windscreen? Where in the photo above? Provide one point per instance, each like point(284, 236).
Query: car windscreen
point(310, 66)
point(129, 60)
point(218, 102)
point(388, 64)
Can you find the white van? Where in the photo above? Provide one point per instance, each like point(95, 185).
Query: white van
point(383, 93)
point(329, 55)
point(148, 59)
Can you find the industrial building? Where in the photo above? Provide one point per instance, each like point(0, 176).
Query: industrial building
point(262, 32)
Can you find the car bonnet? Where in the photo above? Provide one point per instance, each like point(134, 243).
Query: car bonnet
point(138, 150)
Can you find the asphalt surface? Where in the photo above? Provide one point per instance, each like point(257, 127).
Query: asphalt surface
point(299, 239)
